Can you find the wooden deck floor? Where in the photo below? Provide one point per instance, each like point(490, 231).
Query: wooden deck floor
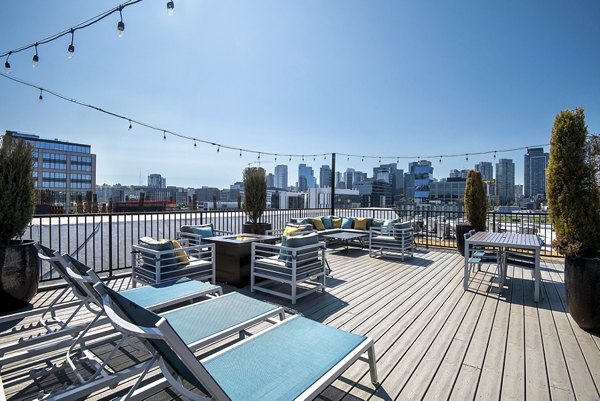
point(434, 341)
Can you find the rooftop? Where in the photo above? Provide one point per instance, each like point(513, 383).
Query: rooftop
point(433, 340)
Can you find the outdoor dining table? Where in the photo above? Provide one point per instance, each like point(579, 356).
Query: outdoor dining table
point(505, 241)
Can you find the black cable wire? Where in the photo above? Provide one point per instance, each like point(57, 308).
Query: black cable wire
point(236, 148)
point(74, 28)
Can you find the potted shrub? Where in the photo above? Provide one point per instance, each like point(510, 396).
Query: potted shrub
point(574, 205)
point(475, 209)
point(255, 200)
point(19, 265)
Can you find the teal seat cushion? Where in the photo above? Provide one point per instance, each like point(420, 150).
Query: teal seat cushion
point(347, 223)
point(327, 222)
point(258, 370)
point(203, 231)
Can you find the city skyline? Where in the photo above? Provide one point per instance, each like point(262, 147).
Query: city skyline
point(302, 78)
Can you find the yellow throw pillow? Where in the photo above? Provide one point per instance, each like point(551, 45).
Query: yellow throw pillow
point(318, 223)
point(290, 231)
point(182, 257)
point(336, 223)
point(360, 223)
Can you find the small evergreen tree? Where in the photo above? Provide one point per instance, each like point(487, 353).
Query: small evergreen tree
point(571, 186)
point(17, 196)
point(475, 200)
point(255, 193)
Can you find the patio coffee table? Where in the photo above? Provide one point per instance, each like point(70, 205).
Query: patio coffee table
point(346, 237)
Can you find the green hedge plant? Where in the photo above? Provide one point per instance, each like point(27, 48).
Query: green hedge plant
point(571, 186)
point(255, 193)
point(475, 200)
point(17, 196)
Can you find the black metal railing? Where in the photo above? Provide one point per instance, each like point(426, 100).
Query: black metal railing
point(104, 241)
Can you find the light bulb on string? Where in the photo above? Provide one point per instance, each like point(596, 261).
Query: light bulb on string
point(195, 145)
point(302, 157)
point(130, 126)
point(218, 148)
point(71, 48)
point(290, 157)
point(398, 160)
point(7, 64)
point(240, 152)
point(440, 159)
point(467, 157)
point(494, 155)
point(258, 155)
point(380, 160)
point(120, 24)
point(164, 135)
point(348, 158)
point(170, 8)
point(324, 157)
point(41, 97)
point(363, 159)
point(314, 157)
point(35, 59)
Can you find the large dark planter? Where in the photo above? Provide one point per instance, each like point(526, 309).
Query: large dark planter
point(461, 230)
point(256, 228)
point(582, 285)
point(19, 274)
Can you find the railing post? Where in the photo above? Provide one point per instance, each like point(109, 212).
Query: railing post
point(426, 224)
point(332, 206)
point(110, 246)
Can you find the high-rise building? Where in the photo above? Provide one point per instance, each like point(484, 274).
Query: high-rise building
point(390, 173)
point(325, 176)
point(349, 178)
point(505, 180)
point(281, 176)
point(306, 177)
point(418, 179)
point(375, 193)
point(454, 173)
point(486, 169)
point(270, 180)
point(62, 171)
point(156, 181)
point(536, 162)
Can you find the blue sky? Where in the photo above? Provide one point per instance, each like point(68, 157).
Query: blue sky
point(378, 78)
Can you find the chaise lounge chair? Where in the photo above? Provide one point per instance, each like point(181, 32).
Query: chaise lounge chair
point(294, 359)
point(221, 317)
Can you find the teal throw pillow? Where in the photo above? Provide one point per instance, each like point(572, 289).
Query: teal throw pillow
point(327, 222)
point(203, 231)
point(347, 223)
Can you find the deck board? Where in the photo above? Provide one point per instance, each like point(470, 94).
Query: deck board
point(434, 341)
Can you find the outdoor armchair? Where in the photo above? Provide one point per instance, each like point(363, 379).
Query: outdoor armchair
point(157, 261)
point(300, 261)
point(397, 239)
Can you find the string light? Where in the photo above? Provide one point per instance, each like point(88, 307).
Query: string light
point(41, 97)
point(218, 148)
point(81, 25)
point(195, 140)
point(71, 48)
point(363, 159)
point(170, 8)
point(7, 64)
point(302, 157)
point(120, 24)
point(195, 146)
point(130, 126)
point(380, 160)
point(35, 59)
point(467, 157)
point(258, 155)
